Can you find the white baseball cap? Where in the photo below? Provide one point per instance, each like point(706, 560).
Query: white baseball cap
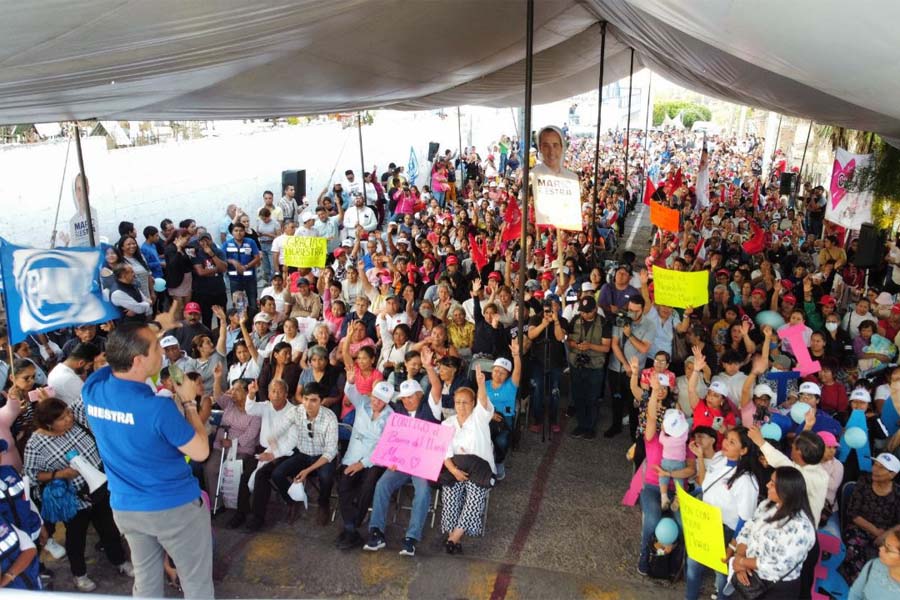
point(674, 423)
point(167, 341)
point(809, 387)
point(719, 388)
point(663, 379)
point(383, 391)
point(862, 395)
point(587, 286)
point(764, 390)
point(889, 462)
point(409, 387)
point(503, 362)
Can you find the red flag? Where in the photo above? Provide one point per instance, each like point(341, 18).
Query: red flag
point(756, 196)
point(479, 252)
point(699, 245)
point(679, 179)
point(550, 250)
point(649, 190)
point(512, 222)
point(757, 242)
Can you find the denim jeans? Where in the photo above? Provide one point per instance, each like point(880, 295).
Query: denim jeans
point(587, 386)
point(651, 513)
point(537, 392)
point(265, 251)
point(283, 475)
point(389, 483)
point(694, 571)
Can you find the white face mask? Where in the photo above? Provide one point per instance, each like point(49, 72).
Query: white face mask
point(832, 327)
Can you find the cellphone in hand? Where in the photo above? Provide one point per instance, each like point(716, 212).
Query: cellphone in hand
point(35, 394)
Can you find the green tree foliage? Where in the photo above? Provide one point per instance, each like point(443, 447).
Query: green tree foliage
point(691, 112)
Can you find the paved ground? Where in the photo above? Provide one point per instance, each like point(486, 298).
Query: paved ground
point(556, 529)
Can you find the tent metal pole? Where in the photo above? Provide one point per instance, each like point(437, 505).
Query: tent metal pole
point(803, 159)
point(596, 190)
point(628, 126)
point(526, 173)
point(362, 159)
point(460, 180)
point(84, 186)
point(647, 134)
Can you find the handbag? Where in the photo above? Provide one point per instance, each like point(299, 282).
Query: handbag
point(757, 587)
point(232, 470)
point(58, 501)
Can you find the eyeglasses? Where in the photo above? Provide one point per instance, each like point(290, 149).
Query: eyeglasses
point(309, 429)
point(660, 361)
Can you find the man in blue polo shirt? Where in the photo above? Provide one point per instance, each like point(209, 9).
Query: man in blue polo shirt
point(243, 257)
point(144, 439)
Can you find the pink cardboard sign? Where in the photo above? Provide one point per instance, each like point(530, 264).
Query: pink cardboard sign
point(805, 364)
point(413, 446)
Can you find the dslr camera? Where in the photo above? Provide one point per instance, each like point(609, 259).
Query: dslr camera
point(582, 360)
point(623, 319)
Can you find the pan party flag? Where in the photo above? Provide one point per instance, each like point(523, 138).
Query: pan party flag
point(305, 252)
point(50, 289)
point(680, 289)
point(704, 535)
point(664, 217)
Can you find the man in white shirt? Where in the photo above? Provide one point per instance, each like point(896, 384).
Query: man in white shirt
point(67, 377)
point(307, 221)
point(290, 228)
point(359, 215)
point(328, 227)
point(278, 439)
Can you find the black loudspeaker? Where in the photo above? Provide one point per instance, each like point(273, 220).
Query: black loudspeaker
point(870, 245)
point(787, 184)
point(296, 179)
point(432, 150)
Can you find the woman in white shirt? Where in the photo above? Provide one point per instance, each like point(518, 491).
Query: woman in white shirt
point(290, 336)
point(730, 483)
point(774, 544)
point(465, 500)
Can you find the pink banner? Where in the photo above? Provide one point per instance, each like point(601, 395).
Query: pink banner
point(413, 446)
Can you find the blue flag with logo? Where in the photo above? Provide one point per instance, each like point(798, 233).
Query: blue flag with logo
point(413, 167)
point(47, 290)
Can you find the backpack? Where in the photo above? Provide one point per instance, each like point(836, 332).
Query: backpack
point(667, 566)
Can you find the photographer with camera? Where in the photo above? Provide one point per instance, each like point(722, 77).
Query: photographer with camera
point(589, 343)
point(632, 335)
point(547, 359)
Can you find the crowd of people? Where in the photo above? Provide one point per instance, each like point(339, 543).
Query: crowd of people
point(294, 372)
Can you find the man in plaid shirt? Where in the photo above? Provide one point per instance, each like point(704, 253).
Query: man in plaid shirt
point(317, 447)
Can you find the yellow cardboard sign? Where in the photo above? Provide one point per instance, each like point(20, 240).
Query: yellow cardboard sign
point(305, 252)
point(680, 289)
point(704, 535)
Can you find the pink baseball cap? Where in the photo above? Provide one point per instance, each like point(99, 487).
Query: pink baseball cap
point(829, 439)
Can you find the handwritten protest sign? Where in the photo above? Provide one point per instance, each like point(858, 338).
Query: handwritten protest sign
point(557, 202)
point(305, 252)
point(413, 446)
point(704, 536)
point(680, 289)
point(664, 217)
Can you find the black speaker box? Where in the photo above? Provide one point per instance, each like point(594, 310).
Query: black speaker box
point(787, 184)
point(296, 179)
point(432, 150)
point(870, 247)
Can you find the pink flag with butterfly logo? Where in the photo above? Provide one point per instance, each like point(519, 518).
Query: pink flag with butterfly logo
point(848, 206)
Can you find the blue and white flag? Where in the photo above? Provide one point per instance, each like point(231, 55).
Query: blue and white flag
point(412, 169)
point(46, 290)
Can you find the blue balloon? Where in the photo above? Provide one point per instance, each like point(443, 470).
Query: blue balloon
point(856, 437)
point(771, 431)
point(159, 284)
point(798, 412)
point(770, 318)
point(666, 531)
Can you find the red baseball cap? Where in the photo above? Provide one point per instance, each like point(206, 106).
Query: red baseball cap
point(787, 284)
point(896, 309)
point(758, 292)
point(547, 276)
point(496, 276)
point(192, 307)
point(826, 299)
point(539, 294)
point(790, 298)
point(452, 260)
point(338, 252)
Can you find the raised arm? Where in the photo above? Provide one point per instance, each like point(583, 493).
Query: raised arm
point(517, 362)
point(251, 347)
point(223, 329)
point(435, 381)
point(699, 365)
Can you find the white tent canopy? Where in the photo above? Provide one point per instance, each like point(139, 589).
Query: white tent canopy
point(218, 59)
